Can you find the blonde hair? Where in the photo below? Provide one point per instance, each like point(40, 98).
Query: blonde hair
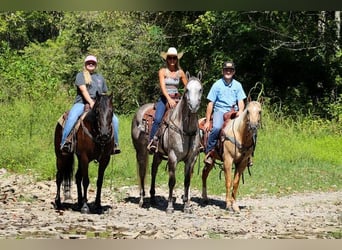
point(87, 76)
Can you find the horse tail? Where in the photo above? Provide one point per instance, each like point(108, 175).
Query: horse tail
point(67, 173)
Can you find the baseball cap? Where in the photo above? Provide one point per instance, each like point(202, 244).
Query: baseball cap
point(228, 65)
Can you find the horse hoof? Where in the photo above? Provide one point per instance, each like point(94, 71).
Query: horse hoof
point(236, 208)
point(169, 210)
point(187, 210)
point(141, 203)
point(230, 209)
point(85, 209)
point(99, 210)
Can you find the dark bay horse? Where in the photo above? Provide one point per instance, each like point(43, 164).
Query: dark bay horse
point(179, 141)
point(238, 138)
point(94, 141)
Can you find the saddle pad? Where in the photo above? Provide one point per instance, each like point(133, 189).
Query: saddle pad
point(64, 116)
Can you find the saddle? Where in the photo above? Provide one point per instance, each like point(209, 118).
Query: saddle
point(72, 136)
point(205, 134)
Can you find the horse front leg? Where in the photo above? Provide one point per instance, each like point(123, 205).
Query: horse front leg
point(78, 179)
point(228, 164)
point(172, 182)
point(237, 175)
point(187, 180)
point(155, 164)
point(102, 167)
point(205, 173)
point(82, 180)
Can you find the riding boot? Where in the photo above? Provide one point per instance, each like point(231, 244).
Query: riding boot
point(66, 147)
point(209, 158)
point(153, 145)
point(116, 149)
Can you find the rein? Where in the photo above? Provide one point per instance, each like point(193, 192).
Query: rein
point(237, 144)
point(174, 127)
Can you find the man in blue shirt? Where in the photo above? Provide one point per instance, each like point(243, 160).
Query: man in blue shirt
point(225, 94)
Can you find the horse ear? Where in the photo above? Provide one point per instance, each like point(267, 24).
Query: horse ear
point(249, 98)
point(261, 100)
point(199, 75)
point(187, 75)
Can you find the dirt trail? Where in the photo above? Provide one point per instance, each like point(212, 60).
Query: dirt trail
point(26, 212)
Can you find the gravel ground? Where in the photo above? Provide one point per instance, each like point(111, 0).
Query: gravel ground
point(27, 212)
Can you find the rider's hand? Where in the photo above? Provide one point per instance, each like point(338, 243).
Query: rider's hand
point(91, 104)
point(206, 126)
point(172, 103)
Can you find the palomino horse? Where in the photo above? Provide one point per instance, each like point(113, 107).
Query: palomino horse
point(179, 141)
point(238, 140)
point(94, 141)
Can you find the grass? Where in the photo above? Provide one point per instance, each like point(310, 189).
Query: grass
point(291, 156)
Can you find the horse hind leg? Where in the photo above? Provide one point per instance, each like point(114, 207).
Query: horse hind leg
point(155, 164)
point(59, 179)
point(205, 173)
point(64, 174)
point(142, 161)
point(67, 190)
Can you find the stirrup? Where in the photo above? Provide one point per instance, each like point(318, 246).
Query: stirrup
point(116, 149)
point(209, 159)
point(152, 146)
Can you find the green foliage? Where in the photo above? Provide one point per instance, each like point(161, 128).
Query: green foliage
point(298, 65)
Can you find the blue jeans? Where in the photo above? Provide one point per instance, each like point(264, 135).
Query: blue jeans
point(74, 113)
point(158, 117)
point(215, 132)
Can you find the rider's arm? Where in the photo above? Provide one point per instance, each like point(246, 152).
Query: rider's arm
point(86, 95)
point(208, 115)
point(183, 77)
point(241, 105)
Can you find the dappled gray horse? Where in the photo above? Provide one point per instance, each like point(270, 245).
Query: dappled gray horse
point(179, 141)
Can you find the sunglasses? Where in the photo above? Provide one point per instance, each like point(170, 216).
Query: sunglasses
point(229, 69)
point(91, 63)
point(172, 57)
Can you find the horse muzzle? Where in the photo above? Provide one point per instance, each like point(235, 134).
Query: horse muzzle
point(104, 138)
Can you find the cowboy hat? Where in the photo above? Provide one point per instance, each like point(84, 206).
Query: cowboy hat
point(171, 52)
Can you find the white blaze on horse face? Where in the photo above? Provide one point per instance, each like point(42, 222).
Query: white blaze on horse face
point(194, 93)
